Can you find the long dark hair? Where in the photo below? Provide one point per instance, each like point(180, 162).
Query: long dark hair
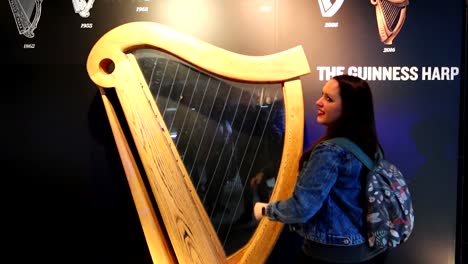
point(357, 121)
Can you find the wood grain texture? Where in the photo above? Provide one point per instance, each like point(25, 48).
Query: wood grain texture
point(191, 234)
point(161, 251)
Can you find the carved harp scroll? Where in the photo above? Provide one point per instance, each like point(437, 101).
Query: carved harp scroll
point(187, 232)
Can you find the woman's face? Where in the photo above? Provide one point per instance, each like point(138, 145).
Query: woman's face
point(329, 105)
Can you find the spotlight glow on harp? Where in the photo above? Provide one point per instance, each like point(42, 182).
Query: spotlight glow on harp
point(390, 15)
point(22, 11)
point(204, 122)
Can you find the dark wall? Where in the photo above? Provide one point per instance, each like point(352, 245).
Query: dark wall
point(66, 196)
point(462, 230)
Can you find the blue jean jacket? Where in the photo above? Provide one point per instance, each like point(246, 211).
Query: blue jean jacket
point(327, 203)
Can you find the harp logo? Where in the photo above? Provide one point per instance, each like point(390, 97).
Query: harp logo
point(82, 7)
point(23, 11)
point(390, 15)
point(328, 9)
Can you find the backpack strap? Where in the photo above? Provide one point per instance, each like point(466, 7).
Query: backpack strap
point(353, 148)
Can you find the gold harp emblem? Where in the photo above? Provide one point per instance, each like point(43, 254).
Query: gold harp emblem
point(194, 115)
point(22, 12)
point(390, 15)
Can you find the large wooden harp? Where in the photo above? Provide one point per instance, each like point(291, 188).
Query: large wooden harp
point(201, 122)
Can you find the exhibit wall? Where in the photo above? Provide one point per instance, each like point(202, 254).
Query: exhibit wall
point(66, 196)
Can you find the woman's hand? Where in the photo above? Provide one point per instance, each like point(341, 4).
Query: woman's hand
point(258, 207)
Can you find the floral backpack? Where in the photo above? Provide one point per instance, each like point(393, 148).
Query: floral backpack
point(390, 215)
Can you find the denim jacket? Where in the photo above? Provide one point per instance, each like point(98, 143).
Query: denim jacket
point(327, 203)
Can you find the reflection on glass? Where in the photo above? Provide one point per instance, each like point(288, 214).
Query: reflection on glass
point(228, 134)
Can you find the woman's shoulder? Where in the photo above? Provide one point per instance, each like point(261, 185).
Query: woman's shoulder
point(332, 149)
point(328, 146)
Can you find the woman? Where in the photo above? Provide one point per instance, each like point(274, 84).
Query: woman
point(327, 206)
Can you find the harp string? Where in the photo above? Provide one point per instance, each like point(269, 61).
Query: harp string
point(166, 107)
point(218, 128)
point(163, 76)
point(205, 127)
point(213, 138)
point(233, 156)
point(391, 13)
point(265, 126)
point(192, 130)
point(241, 163)
point(179, 99)
point(186, 114)
point(153, 73)
point(218, 162)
